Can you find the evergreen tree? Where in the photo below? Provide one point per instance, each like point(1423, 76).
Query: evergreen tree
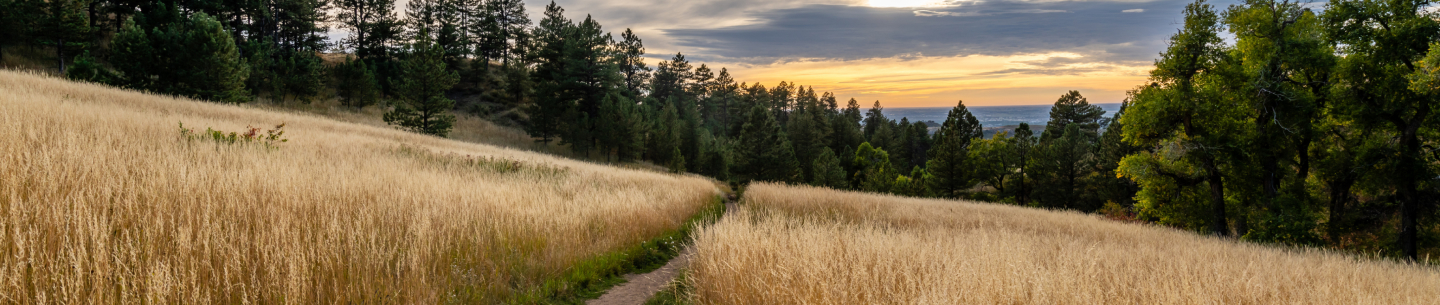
point(672, 79)
point(1060, 170)
point(847, 133)
point(1023, 149)
point(441, 20)
point(551, 100)
point(620, 128)
point(665, 135)
point(65, 27)
point(808, 132)
point(17, 19)
point(629, 56)
point(421, 87)
point(191, 57)
point(874, 118)
point(1110, 150)
point(355, 83)
point(717, 157)
point(372, 25)
point(827, 171)
point(951, 175)
point(1072, 108)
point(502, 29)
point(764, 150)
point(1064, 160)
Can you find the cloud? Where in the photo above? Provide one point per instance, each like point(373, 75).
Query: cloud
point(1099, 30)
point(1134, 10)
point(930, 13)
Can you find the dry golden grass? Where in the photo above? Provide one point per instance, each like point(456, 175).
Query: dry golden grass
point(803, 245)
point(101, 201)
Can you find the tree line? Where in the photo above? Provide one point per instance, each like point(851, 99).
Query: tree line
point(1310, 127)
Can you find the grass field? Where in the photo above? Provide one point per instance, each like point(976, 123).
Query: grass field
point(803, 245)
point(104, 200)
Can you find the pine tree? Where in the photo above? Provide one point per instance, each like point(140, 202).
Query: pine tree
point(764, 150)
point(421, 87)
point(1072, 108)
point(65, 27)
point(952, 176)
point(501, 29)
point(874, 118)
point(1110, 150)
point(630, 58)
point(372, 26)
point(847, 133)
point(1023, 149)
point(355, 83)
point(808, 133)
point(16, 22)
point(827, 171)
point(551, 100)
point(621, 128)
point(719, 158)
point(1060, 170)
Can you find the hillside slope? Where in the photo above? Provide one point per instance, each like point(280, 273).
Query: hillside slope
point(805, 245)
point(104, 199)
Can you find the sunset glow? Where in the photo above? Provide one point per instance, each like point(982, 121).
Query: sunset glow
point(904, 3)
point(941, 81)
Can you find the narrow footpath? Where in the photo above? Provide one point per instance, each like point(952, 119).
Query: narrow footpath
point(639, 288)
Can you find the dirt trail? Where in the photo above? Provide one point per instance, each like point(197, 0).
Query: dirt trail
point(639, 288)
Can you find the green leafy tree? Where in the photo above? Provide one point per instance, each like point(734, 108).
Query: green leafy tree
point(1287, 66)
point(422, 105)
point(952, 175)
point(912, 185)
point(875, 173)
point(1385, 44)
point(996, 162)
point(1184, 113)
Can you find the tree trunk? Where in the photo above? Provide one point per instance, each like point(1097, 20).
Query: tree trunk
point(60, 54)
point(1219, 225)
point(1339, 196)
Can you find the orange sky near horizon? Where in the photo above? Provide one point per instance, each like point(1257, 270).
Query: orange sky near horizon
point(942, 81)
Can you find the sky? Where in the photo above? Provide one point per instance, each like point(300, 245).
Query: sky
point(906, 53)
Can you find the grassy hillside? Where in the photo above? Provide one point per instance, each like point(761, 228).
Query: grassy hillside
point(794, 245)
point(103, 199)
